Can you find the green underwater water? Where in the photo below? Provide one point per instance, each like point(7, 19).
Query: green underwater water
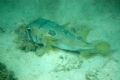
point(59, 39)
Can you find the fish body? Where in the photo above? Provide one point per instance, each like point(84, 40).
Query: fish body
point(62, 38)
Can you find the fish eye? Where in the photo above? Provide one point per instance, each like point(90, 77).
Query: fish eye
point(52, 33)
point(65, 31)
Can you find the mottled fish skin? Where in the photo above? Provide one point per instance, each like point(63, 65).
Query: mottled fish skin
point(65, 39)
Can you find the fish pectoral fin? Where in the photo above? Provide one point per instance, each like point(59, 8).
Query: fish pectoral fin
point(84, 33)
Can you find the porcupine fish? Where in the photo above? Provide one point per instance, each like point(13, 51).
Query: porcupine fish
point(43, 30)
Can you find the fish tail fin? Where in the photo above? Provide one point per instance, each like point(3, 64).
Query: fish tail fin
point(103, 48)
point(98, 48)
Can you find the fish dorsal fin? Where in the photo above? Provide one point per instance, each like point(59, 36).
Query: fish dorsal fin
point(82, 31)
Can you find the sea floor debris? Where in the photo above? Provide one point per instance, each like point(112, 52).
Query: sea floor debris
point(68, 63)
point(6, 74)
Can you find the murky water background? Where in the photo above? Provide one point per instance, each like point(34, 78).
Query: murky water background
point(102, 16)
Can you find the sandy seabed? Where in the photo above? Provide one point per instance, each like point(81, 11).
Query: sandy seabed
point(103, 18)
